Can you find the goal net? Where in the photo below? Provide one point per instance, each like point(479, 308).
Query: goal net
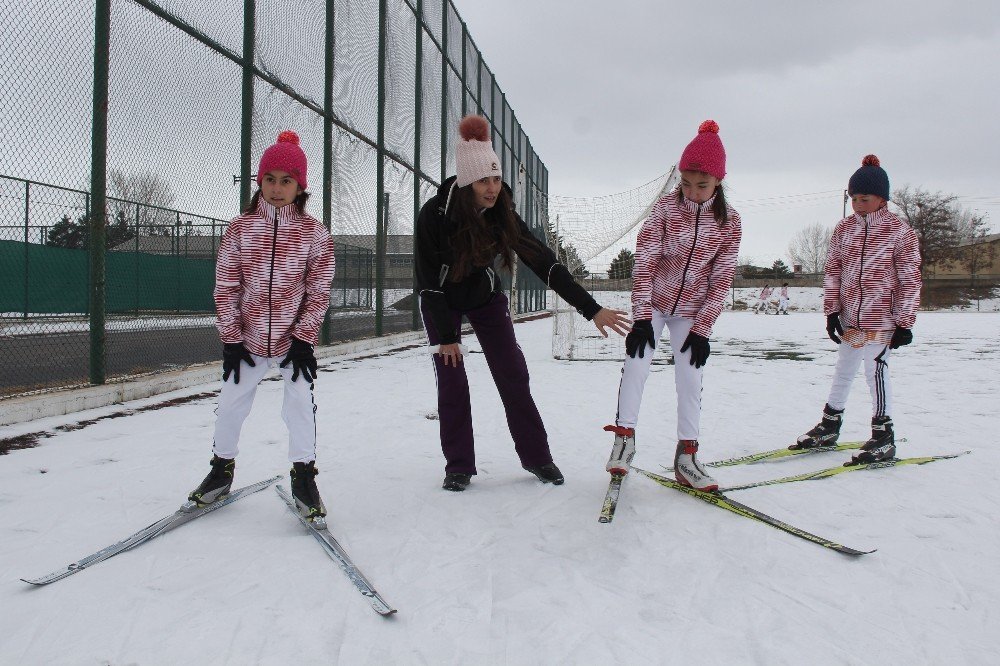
point(594, 238)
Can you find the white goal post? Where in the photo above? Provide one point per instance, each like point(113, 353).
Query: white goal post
point(593, 237)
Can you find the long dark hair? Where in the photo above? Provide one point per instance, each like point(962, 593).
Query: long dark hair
point(719, 207)
point(480, 238)
point(300, 202)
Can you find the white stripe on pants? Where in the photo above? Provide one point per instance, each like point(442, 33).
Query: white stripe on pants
point(687, 379)
point(876, 358)
point(297, 410)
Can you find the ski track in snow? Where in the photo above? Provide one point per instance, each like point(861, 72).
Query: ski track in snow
point(513, 571)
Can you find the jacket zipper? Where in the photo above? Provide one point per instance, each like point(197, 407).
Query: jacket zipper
point(861, 270)
point(270, 282)
point(694, 243)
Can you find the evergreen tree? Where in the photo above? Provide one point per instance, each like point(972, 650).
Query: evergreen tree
point(622, 265)
point(780, 268)
point(67, 233)
point(566, 254)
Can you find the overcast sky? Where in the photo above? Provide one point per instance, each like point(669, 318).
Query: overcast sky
point(610, 92)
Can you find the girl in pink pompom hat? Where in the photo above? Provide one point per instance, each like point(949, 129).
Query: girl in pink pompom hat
point(685, 259)
point(272, 290)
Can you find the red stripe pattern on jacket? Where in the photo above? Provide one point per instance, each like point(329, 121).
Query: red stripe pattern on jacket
point(872, 276)
point(685, 261)
point(272, 279)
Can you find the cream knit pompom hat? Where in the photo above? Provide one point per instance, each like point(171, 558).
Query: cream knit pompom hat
point(474, 154)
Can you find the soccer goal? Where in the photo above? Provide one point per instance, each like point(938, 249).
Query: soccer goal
point(594, 238)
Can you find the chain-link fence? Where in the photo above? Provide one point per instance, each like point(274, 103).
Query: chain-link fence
point(131, 130)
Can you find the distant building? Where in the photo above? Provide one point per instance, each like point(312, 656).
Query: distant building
point(979, 258)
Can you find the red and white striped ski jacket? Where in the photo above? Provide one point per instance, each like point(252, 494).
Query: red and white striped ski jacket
point(685, 261)
point(272, 279)
point(872, 275)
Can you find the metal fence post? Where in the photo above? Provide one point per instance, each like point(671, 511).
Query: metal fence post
point(465, 67)
point(382, 203)
point(98, 188)
point(381, 238)
point(479, 81)
point(444, 89)
point(418, 112)
point(136, 276)
point(328, 52)
point(246, 113)
point(177, 261)
point(27, 216)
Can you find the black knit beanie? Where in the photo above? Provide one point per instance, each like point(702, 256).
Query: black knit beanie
point(869, 179)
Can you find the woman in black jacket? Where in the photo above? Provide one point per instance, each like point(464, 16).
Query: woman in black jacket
point(460, 235)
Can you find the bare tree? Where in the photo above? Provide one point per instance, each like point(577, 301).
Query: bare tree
point(971, 251)
point(932, 216)
point(808, 247)
point(140, 196)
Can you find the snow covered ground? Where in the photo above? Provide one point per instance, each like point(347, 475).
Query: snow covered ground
point(512, 571)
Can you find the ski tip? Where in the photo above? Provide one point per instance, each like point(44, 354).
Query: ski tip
point(384, 611)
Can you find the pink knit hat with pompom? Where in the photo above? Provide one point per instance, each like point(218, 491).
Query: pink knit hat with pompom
point(474, 155)
point(705, 152)
point(285, 155)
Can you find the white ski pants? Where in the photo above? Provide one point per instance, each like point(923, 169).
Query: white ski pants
point(687, 379)
point(876, 360)
point(297, 410)
point(782, 304)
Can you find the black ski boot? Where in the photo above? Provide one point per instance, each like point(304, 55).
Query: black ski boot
point(825, 433)
point(882, 445)
point(305, 492)
point(547, 473)
point(456, 481)
point(216, 485)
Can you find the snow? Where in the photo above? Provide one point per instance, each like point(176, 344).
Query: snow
point(513, 571)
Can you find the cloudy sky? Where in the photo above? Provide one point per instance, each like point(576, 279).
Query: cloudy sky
point(611, 92)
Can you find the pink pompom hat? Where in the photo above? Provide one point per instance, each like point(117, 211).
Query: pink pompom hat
point(285, 155)
point(474, 154)
point(705, 153)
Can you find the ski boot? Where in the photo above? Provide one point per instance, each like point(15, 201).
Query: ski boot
point(547, 473)
point(456, 481)
point(882, 445)
point(622, 451)
point(216, 485)
point(688, 471)
point(825, 433)
point(306, 494)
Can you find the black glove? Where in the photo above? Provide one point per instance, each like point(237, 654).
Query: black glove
point(900, 337)
point(833, 326)
point(301, 357)
point(700, 349)
point(639, 337)
point(232, 354)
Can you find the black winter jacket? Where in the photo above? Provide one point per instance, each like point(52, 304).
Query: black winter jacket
point(435, 256)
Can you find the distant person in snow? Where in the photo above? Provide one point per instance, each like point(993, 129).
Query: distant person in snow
point(465, 234)
point(783, 300)
point(762, 304)
point(685, 259)
point(871, 290)
point(272, 289)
